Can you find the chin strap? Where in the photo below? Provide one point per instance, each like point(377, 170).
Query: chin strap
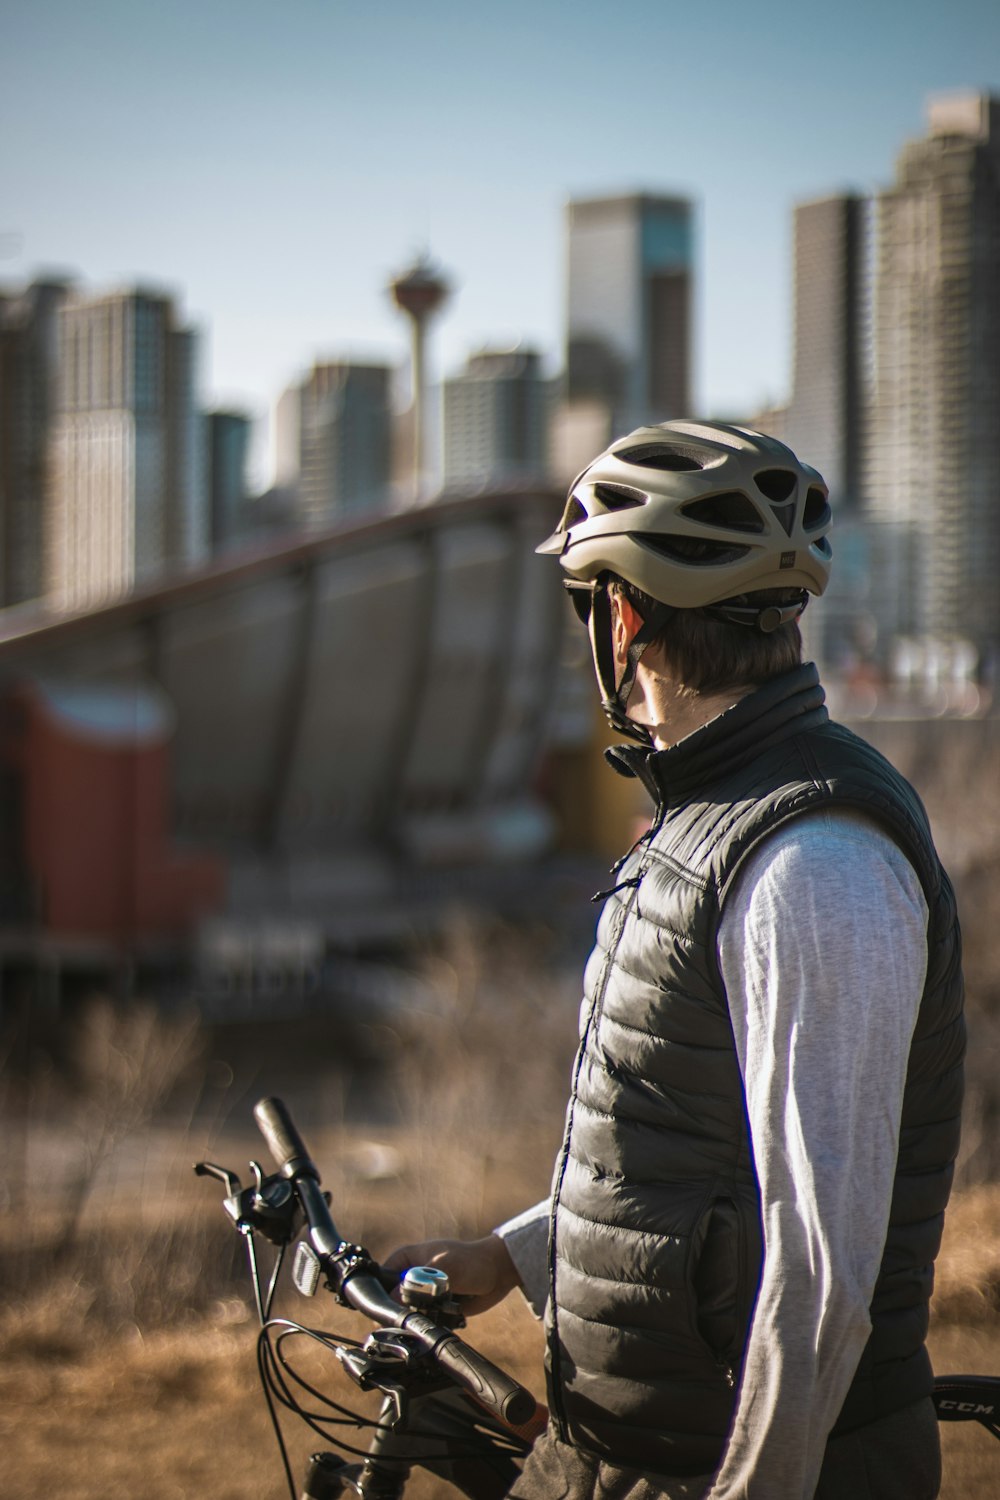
point(614, 694)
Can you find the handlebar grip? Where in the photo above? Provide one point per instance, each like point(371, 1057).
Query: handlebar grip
point(283, 1140)
point(492, 1387)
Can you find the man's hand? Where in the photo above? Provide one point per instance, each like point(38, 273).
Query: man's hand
point(480, 1271)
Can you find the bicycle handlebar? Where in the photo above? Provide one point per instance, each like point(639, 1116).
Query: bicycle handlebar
point(283, 1140)
point(492, 1387)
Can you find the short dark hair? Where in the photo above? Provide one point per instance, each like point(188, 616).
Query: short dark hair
point(710, 655)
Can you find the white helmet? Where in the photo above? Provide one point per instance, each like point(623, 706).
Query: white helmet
point(695, 513)
point(699, 516)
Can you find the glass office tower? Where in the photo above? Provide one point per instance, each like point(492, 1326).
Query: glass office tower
point(630, 293)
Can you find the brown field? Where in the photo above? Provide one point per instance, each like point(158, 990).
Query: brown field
point(175, 1411)
point(127, 1342)
point(180, 1415)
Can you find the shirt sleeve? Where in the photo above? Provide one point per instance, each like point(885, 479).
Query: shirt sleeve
point(823, 952)
point(527, 1240)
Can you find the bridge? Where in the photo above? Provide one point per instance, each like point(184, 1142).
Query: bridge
point(306, 738)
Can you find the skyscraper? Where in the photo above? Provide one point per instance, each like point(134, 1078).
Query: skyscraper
point(227, 452)
point(630, 293)
point(824, 421)
point(495, 420)
point(126, 500)
point(28, 368)
point(334, 441)
point(933, 472)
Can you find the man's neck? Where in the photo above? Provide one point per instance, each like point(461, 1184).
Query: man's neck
point(671, 711)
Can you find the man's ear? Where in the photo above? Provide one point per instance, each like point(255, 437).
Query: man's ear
point(626, 622)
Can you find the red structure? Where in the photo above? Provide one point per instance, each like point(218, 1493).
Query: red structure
point(90, 765)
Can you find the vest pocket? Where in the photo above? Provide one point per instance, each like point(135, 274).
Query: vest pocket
point(715, 1277)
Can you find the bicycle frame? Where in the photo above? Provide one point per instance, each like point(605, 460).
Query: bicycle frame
point(969, 1398)
point(479, 1459)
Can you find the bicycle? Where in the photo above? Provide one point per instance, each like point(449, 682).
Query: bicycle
point(445, 1407)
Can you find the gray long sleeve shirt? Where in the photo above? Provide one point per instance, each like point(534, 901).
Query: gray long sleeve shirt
point(822, 948)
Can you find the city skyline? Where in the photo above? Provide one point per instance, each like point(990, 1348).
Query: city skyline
point(106, 461)
point(277, 169)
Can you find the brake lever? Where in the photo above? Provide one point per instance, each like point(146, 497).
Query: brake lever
point(385, 1353)
point(209, 1169)
point(235, 1193)
point(268, 1205)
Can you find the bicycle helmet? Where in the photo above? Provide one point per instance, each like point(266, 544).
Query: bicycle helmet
point(700, 516)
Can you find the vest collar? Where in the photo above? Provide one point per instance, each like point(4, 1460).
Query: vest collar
point(782, 707)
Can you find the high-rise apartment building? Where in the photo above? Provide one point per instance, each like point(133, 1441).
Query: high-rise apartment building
point(227, 454)
point(933, 470)
point(28, 366)
point(630, 295)
point(126, 498)
point(824, 420)
point(496, 420)
point(334, 441)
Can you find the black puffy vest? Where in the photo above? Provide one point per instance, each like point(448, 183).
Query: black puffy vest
point(656, 1243)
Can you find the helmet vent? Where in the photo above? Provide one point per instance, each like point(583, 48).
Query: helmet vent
point(618, 496)
point(572, 515)
point(776, 484)
point(667, 456)
point(817, 510)
point(695, 551)
point(731, 511)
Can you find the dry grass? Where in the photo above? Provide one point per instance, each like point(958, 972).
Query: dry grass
point(177, 1411)
point(133, 1369)
point(126, 1339)
point(172, 1416)
point(126, 1336)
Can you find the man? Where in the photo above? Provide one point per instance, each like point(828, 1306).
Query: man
point(764, 1109)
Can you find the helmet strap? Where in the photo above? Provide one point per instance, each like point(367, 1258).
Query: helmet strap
point(762, 617)
point(615, 694)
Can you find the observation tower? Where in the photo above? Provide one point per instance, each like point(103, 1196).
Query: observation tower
point(419, 293)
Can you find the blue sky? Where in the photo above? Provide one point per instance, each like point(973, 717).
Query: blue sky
point(275, 163)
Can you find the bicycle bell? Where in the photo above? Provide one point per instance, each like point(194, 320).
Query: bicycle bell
point(424, 1285)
